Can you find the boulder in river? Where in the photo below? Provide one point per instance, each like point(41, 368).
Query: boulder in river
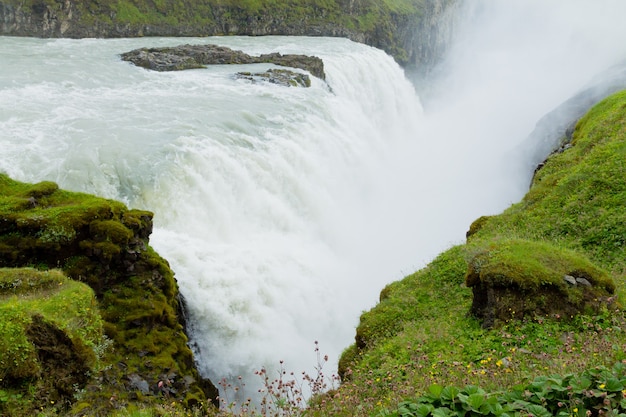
point(198, 56)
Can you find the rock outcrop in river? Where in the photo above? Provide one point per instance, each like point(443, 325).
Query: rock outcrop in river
point(197, 56)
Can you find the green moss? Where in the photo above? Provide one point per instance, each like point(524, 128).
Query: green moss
point(416, 298)
point(110, 230)
point(477, 225)
point(529, 265)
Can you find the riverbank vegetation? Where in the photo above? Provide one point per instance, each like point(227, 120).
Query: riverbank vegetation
point(546, 346)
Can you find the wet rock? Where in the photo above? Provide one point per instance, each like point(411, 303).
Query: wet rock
point(281, 77)
point(137, 383)
point(198, 56)
point(570, 279)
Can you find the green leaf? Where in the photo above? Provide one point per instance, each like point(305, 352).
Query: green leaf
point(473, 389)
point(581, 383)
point(493, 408)
point(423, 410)
point(435, 390)
point(614, 384)
point(442, 412)
point(619, 368)
point(538, 410)
point(407, 409)
point(449, 394)
point(475, 401)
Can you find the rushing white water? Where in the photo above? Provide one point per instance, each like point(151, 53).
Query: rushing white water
point(284, 211)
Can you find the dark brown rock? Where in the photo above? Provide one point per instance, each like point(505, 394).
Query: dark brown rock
point(197, 56)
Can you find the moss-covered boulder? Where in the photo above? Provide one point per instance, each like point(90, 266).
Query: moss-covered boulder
point(514, 279)
point(103, 244)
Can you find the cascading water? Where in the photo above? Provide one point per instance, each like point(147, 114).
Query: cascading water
point(284, 211)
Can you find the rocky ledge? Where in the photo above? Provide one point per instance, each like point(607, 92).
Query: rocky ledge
point(198, 56)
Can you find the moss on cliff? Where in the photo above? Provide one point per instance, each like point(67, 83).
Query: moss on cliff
point(104, 245)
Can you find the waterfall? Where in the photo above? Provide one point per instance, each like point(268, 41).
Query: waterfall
point(284, 211)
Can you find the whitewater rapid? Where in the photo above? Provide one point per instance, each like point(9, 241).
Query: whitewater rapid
point(285, 211)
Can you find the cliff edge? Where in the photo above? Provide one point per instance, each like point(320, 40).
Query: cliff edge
point(414, 32)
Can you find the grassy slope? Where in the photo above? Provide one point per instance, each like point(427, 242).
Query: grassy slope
point(420, 332)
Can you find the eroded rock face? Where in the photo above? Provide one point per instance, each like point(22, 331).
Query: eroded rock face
point(197, 56)
point(60, 359)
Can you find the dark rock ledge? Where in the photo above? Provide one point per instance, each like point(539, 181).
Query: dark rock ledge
point(198, 56)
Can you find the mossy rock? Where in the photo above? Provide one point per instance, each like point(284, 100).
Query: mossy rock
point(520, 278)
point(477, 225)
point(104, 245)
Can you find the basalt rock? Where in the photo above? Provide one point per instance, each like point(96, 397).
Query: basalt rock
point(197, 56)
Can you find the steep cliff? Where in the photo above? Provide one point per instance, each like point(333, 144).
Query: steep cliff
point(413, 31)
